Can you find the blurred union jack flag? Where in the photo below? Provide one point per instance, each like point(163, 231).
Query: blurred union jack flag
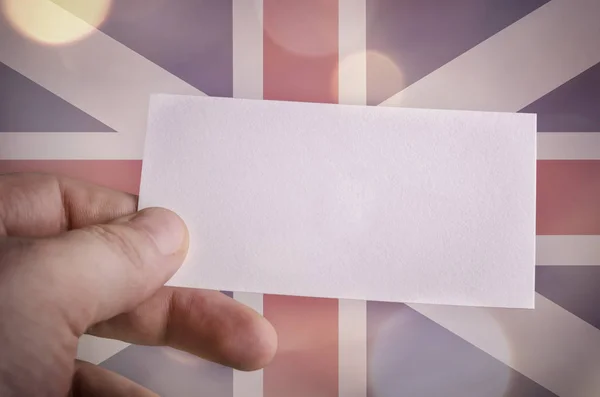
point(73, 98)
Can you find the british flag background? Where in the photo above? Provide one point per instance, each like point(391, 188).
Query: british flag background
point(75, 77)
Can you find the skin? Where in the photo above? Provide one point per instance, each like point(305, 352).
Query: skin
point(77, 258)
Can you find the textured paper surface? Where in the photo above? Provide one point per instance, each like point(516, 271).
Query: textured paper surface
point(387, 204)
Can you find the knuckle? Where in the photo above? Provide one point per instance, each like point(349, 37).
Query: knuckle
point(123, 244)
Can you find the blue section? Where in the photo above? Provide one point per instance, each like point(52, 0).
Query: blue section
point(420, 36)
point(575, 288)
point(27, 107)
point(192, 39)
point(410, 355)
point(171, 373)
point(572, 107)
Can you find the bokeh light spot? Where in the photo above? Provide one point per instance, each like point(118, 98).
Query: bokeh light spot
point(353, 69)
point(61, 23)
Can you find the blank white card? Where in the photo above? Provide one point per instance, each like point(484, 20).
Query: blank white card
point(375, 203)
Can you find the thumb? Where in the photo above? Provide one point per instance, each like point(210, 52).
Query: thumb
point(105, 270)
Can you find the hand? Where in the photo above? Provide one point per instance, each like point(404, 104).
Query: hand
point(76, 258)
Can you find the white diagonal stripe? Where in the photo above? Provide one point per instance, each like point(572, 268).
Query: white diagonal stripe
point(98, 75)
point(568, 146)
point(549, 345)
point(567, 251)
point(95, 350)
point(352, 90)
point(248, 83)
point(516, 66)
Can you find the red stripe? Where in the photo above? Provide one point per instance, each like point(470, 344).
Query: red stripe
point(306, 361)
point(301, 50)
point(300, 64)
point(568, 197)
point(117, 174)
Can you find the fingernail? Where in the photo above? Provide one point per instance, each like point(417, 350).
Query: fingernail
point(166, 229)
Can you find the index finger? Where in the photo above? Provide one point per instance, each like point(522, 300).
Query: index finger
point(42, 205)
point(208, 324)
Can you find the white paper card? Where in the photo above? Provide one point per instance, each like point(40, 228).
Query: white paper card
point(375, 203)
